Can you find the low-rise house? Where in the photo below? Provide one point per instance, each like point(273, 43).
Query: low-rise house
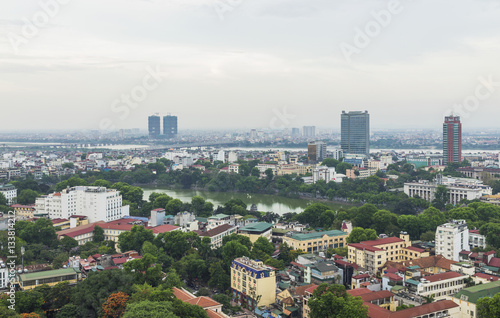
point(23, 211)
point(383, 298)
point(31, 280)
point(211, 307)
point(468, 297)
point(440, 285)
point(217, 234)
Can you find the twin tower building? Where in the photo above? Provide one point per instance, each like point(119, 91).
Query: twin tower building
point(169, 126)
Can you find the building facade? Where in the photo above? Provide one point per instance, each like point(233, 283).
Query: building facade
point(452, 139)
point(316, 242)
point(170, 126)
point(96, 203)
point(154, 126)
point(451, 239)
point(252, 283)
point(355, 132)
point(309, 131)
point(9, 192)
point(316, 151)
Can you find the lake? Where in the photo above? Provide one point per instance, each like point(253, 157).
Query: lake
point(264, 202)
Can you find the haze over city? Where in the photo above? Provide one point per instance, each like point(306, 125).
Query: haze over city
point(245, 65)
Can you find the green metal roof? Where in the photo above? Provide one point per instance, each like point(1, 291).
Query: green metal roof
point(414, 267)
point(479, 291)
point(491, 268)
point(47, 274)
point(257, 227)
point(397, 288)
point(219, 216)
point(315, 235)
point(411, 281)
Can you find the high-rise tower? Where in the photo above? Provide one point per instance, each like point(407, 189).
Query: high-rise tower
point(452, 139)
point(355, 132)
point(154, 126)
point(170, 126)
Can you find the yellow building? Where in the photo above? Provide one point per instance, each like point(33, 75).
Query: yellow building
point(50, 278)
point(294, 169)
point(255, 230)
point(430, 264)
point(63, 224)
point(317, 241)
point(252, 283)
point(372, 255)
point(23, 211)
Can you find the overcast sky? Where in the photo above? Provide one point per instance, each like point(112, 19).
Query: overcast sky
point(248, 63)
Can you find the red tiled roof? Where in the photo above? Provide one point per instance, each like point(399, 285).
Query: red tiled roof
point(359, 291)
point(495, 262)
point(297, 264)
point(164, 228)
point(181, 294)
point(119, 261)
point(361, 246)
point(54, 221)
point(375, 311)
point(392, 270)
point(300, 290)
point(203, 302)
point(371, 295)
point(213, 314)
point(393, 277)
point(110, 267)
point(490, 252)
point(474, 231)
point(361, 276)
point(464, 252)
point(486, 276)
point(159, 209)
point(311, 289)
point(344, 263)
point(387, 240)
point(415, 249)
point(216, 231)
point(473, 255)
point(442, 276)
point(58, 194)
point(20, 206)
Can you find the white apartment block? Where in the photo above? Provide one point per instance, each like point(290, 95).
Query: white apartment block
point(451, 238)
point(326, 173)
point(96, 203)
point(9, 192)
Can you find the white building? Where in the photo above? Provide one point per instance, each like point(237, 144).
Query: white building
point(338, 153)
point(4, 275)
point(476, 239)
point(440, 285)
point(96, 203)
point(326, 173)
point(9, 192)
point(458, 189)
point(221, 156)
point(184, 219)
point(451, 238)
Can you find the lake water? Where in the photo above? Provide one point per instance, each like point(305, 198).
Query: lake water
point(264, 202)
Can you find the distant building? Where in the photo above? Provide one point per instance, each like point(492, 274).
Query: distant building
point(217, 234)
point(468, 297)
point(309, 131)
point(154, 125)
point(440, 285)
point(316, 241)
point(9, 192)
point(452, 238)
point(253, 284)
point(295, 132)
point(170, 126)
point(31, 280)
point(255, 230)
point(355, 132)
point(316, 151)
point(452, 139)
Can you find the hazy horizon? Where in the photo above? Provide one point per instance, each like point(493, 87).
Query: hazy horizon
point(222, 65)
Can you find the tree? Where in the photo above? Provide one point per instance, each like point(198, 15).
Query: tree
point(382, 219)
point(3, 200)
point(333, 301)
point(428, 299)
point(262, 249)
point(330, 162)
point(68, 311)
point(172, 279)
point(233, 250)
point(146, 269)
point(245, 240)
point(101, 183)
point(440, 197)
point(364, 215)
point(161, 201)
point(177, 243)
point(27, 196)
point(218, 277)
point(428, 236)
point(59, 260)
point(90, 294)
point(488, 306)
point(342, 167)
point(41, 231)
point(114, 307)
point(134, 239)
point(150, 309)
point(68, 243)
point(174, 206)
point(269, 174)
point(29, 301)
point(98, 234)
point(359, 234)
point(255, 172)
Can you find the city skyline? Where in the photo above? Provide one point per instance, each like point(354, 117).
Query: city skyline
point(245, 70)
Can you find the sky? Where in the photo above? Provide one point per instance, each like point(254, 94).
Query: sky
point(227, 64)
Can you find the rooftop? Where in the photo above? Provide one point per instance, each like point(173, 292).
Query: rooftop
point(472, 294)
point(315, 235)
point(257, 227)
point(442, 276)
point(47, 274)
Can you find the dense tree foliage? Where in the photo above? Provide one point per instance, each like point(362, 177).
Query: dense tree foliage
point(333, 301)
